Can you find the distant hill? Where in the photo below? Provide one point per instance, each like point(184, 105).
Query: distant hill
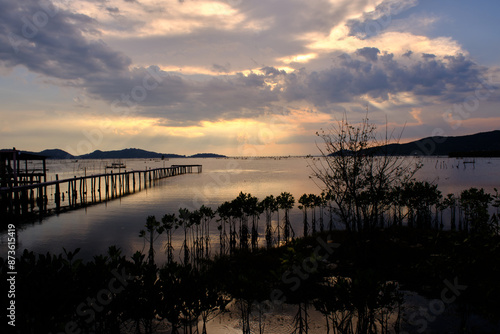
point(207, 155)
point(479, 144)
point(486, 144)
point(128, 153)
point(55, 154)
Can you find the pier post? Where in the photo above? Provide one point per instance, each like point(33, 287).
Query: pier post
point(24, 201)
point(75, 192)
point(111, 185)
point(81, 192)
point(106, 181)
point(32, 199)
point(18, 198)
point(70, 194)
point(133, 181)
point(57, 196)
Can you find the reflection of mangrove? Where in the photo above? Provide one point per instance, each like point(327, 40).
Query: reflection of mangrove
point(354, 287)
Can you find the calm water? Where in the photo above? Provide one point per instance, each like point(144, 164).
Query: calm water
point(118, 222)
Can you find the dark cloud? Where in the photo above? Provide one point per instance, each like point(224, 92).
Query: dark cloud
point(62, 49)
point(377, 21)
point(448, 78)
point(113, 10)
point(368, 53)
point(428, 56)
point(51, 42)
point(271, 71)
point(408, 53)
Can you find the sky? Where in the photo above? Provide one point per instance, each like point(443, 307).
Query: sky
point(242, 77)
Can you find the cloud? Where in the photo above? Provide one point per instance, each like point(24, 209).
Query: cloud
point(449, 78)
point(372, 23)
point(221, 68)
point(53, 42)
point(67, 49)
point(408, 53)
point(369, 53)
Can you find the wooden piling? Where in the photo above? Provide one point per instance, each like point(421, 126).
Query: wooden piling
point(27, 195)
point(58, 194)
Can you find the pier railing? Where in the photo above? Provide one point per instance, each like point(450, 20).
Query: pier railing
point(72, 193)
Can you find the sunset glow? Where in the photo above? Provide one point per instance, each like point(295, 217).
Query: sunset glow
point(194, 76)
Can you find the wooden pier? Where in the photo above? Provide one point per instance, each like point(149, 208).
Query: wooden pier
point(67, 194)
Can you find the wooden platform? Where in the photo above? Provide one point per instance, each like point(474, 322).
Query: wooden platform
point(73, 193)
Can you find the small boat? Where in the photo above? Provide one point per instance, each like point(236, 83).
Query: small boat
point(116, 165)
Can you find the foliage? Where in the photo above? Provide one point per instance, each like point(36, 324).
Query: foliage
point(357, 174)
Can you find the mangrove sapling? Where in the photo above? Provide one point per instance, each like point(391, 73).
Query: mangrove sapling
point(409, 203)
point(314, 202)
point(224, 212)
point(238, 208)
point(196, 238)
point(207, 215)
point(169, 222)
point(143, 294)
point(474, 204)
point(426, 196)
point(71, 255)
point(184, 221)
point(304, 201)
point(328, 199)
point(322, 203)
point(398, 203)
point(257, 210)
point(250, 208)
point(269, 205)
point(496, 201)
point(154, 229)
point(495, 218)
point(171, 294)
point(186, 293)
point(286, 202)
point(438, 218)
point(233, 235)
point(451, 202)
point(197, 248)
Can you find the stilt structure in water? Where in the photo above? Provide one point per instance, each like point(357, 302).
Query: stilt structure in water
point(24, 190)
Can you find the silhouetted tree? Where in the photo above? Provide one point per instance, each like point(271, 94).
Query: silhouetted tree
point(286, 202)
point(358, 173)
point(474, 204)
point(269, 205)
point(305, 202)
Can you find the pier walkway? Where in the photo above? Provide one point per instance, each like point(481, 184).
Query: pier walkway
point(67, 194)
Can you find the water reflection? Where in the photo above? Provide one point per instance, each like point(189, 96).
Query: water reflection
point(118, 222)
